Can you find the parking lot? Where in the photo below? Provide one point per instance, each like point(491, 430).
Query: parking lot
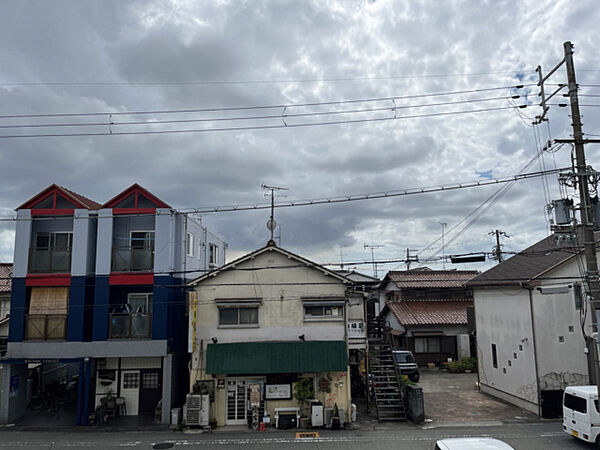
point(454, 398)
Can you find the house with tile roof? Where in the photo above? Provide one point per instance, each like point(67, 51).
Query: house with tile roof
point(426, 311)
point(98, 292)
point(532, 319)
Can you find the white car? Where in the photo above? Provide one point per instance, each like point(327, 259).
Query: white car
point(472, 443)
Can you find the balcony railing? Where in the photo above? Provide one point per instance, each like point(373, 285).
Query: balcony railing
point(49, 260)
point(130, 259)
point(129, 326)
point(45, 327)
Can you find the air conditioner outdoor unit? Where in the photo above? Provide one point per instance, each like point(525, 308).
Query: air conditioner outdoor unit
point(196, 410)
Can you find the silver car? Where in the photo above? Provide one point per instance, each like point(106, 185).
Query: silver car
point(472, 443)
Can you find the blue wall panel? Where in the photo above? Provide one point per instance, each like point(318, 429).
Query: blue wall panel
point(18, 305)
point(77, 309)
point(101, 308)
point(160, 307)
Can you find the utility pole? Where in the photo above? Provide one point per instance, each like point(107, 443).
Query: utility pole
point(586, 213)
point(498, 248)
point(373, 247)
point(410, 259)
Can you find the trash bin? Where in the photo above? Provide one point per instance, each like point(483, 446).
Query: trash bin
point(175, 416)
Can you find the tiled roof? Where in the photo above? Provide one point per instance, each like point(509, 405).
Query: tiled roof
point(431, 278)
point(430, 312)
point(528, 264)
point(5, 277)
point(91, 204)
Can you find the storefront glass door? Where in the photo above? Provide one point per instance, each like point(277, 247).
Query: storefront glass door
point(236, 402)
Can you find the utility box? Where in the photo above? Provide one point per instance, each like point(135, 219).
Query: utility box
point(415, 405)
point(316, 414)
point(562, 211)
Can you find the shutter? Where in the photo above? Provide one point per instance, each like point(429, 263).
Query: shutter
point(49, 300)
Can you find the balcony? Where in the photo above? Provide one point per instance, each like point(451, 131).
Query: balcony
point(49, 260)
point(45, 327)
point(129, 326)
point(131, 259)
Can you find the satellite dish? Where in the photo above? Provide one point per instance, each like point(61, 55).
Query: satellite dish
point(271, 224)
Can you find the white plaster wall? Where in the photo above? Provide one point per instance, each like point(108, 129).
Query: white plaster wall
point(502, 317)
point(281, 312)
point(164, 238)
point(104, 242)
point(22, 242)
point(82, 224)
point(560, 364)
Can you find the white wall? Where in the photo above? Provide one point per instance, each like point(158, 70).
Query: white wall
point(502, 317)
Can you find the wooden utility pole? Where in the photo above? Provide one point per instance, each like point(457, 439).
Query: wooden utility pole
point(587, 223)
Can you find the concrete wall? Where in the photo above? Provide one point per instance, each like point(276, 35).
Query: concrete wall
point(104, 242)
point(84, 248)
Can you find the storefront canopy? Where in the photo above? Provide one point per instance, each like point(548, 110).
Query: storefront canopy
point(276, 357)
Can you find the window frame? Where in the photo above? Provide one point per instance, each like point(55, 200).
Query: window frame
point(189, 244)
point(213, 254)
point(339, 304)
point(494, 356)
point(427, 341)
point(238, 307)
point(148, 242)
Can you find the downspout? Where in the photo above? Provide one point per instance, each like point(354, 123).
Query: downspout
point(535, 359)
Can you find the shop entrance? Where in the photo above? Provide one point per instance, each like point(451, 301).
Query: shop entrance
point(238, 400)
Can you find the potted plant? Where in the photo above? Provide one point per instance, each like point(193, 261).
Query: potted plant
point(303, 391)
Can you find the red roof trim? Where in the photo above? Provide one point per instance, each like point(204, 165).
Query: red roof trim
point(135, 189)
point(58, 279)
point(120, 279)
point(134, 211)
point(77, 200)
point(52, 212)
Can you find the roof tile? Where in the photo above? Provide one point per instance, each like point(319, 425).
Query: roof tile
point(430, 312)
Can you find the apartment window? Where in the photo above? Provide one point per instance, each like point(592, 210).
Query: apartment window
point(213, 257)
point(494, 356)
point(428, 345)
point(142, 240)
point(238, 317)
point(53, 241)
point(189, 244)
point(140, 303)
point(324, 310)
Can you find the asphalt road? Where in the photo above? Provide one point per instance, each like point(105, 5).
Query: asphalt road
point(529, 436)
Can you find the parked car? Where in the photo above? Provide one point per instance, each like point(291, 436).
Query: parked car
point(580, 413)
point(406, 364)
point(472, 443)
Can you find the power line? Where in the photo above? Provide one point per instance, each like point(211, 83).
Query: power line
point(263, 117)
point(345, 198)
point(255, 127)
point(237, 82)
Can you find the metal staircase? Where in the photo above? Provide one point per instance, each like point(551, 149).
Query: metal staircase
point(387, 390)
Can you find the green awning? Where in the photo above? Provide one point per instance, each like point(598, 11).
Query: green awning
point(276, 357)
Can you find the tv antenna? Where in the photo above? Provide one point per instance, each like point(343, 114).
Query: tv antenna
point(271, 224)
point(373, 247)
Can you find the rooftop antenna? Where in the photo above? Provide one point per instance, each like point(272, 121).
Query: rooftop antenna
point(443, 224)
point(373, 247)
point(271, 224)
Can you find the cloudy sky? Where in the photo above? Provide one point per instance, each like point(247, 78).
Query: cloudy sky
point(146, 56)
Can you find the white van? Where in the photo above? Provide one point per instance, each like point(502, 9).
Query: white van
point(581, 418)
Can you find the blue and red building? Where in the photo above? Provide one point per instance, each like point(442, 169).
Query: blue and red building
point(100, 289)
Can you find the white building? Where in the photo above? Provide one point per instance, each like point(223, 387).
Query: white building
point(530, 324)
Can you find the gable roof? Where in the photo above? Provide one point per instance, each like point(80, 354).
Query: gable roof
point(427, 278)
point(75, 198)
point(135, 189)
point(430, 312)
point(5, 277)
point(270, 247)
point(528, 264)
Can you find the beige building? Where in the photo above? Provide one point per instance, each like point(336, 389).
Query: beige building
point(265, 322)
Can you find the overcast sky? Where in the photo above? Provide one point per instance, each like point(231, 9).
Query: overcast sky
point(124, 56)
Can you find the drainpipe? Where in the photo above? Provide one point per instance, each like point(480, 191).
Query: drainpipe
point(535, 359)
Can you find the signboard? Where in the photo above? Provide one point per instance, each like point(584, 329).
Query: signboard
point(278, 391)
point(356, 329)
point(193, 311)
point(254, 394)
point(220, 383)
